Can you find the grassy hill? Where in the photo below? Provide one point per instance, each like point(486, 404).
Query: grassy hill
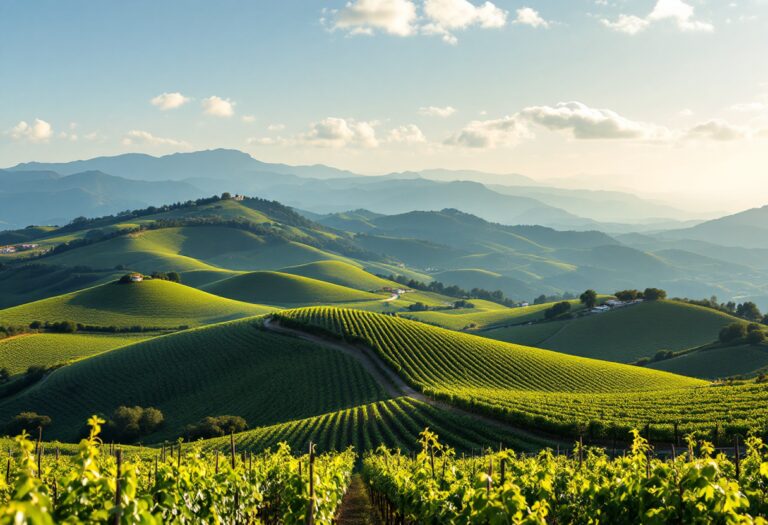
point(230, 368)
point(19, 353)
point(719, 362)
point(624, 335)
point(28, 283)
point(468, 279)
point(152, 303)
point(279, 288)
point(540, 388)
point(343, 274)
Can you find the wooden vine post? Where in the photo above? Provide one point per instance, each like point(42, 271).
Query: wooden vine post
point(310, 518)
point(737, 459)
point(232, 449)
point(118, 487)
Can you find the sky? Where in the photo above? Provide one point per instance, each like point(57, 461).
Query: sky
point(667, 98)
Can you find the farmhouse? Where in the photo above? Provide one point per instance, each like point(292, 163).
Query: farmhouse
point(136, 277)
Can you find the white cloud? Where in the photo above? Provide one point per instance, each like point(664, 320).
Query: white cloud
point(218, 107)
point(506, 131)
point(678, 11)
point(276, 127)
point(436, 111)
point(333, 132)
point(395, 17)
point(685, 112)
point(446, 16)
point(139, 137)
point(530, 17)
point(717, 130)
point(37, 132)
point(248, 119)
point(585, 122)
point(749, 107)
point(408, 134)
point(166, 101)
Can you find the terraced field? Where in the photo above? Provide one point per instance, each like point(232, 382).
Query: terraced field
point(277, 288)
point(624, 335)
point(19, 353)
point(538, 388)
point(152, 303)
point(230, 368)
point(395, 423)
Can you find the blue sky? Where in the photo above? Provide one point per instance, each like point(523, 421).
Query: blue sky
point(658, 96)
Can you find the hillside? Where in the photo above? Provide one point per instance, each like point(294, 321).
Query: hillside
point(152, 303)
point(534, 387)
point(277, 288)
point(719, 362)
point(746, 229)
point(624, 335)
point(230, 368)
point(343, 274)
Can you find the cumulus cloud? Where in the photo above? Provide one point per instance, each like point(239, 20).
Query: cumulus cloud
point(718, 130)
point(406, 18)
point(37, 132)
point(333, 132)
point(166, 101)
point(506, 131)
point(407, 134)
point(139, 137)
point(218, 107)
point(530, 17)
point(585, 122)
point(682, 13)
point(437, 111)
point(395, 17)
point(276, 127)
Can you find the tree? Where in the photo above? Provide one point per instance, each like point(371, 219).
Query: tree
point(589, 298)
point(749, 311)
point(27, 421)
point(733, 332)
point(226, 196)
point(174, 277)
point(628, 295)
point(557, 310)
point(654, 294)
point(216, 426)
point(755, 337)
point(130, 423)
point(765, 319)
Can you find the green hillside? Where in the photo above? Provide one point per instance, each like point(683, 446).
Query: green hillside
point(19, 353)
point(626, 334)
point(719, 362)
point(33, 282)
point(395, 423)
point(279, 288)
point(231, 368)
point(152, 303)
point(340, 273)
point(535, 387)
point(468, 279)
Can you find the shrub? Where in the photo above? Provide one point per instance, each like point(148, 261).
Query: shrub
point(130, 423)
point(589, 298)
point(755, 337)
point(216, 426)
point(733, 332)
point(27, 421)
point(628, 295)
point(654, 294)
point(557, 310)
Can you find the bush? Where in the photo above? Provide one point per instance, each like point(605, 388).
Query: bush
point(733, 332)
point(418, 307)
point(589, 298)
point(216, 426)
point(130, 423)
point(62, 327)
point(755, 337)
point(557, 310)
point(654, 294)
point(628, 295)
point(27, 421)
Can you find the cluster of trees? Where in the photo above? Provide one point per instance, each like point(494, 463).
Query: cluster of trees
point(649, 294)
point(10, 330)
point(29, 422)
point(173, 277)
point(751, 333)
point(747, 310)
point(496, 296)
point(421, 307)
point(128, 424)
point(544, 299)
point(215, 426)
point(559, 310)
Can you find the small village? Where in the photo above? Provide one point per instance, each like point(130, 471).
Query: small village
point(10, 249)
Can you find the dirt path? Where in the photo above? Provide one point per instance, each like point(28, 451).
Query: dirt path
point(356, 507)
point(395, 386)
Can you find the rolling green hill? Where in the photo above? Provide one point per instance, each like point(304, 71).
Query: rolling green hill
point(340, 273)
point(279, 288)
point(719, 362)
point(152, 303)
point(19, 353)
point(624, 335)
point(230, 368)
point(539, 388)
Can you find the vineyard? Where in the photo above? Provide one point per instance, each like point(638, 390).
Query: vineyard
point(696, 486)
point(181, 486)
point(541, 389)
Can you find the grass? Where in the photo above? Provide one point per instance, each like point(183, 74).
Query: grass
point(341, 273)
point(719, 362)
point(540, 388)
point(231, 368)
point(152, 303)
point(31, 283)
point(19, 353)
point(624, 335)
point(395, 423)
point(279, 288)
